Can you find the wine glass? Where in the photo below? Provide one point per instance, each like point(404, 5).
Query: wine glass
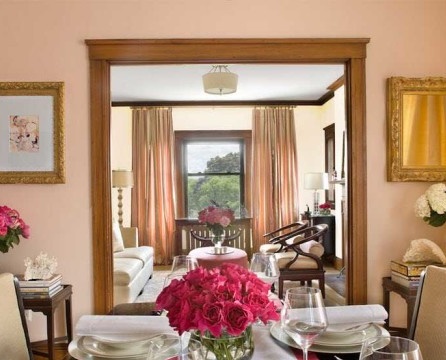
point(183, 264)
point(390, 348)
point(303, 316)
point(174, 347)
point(265, 266)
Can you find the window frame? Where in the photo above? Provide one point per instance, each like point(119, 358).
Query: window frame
point(182, 137)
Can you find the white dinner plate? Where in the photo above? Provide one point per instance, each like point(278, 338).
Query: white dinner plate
point(331, 347)
point(91, 346)
point(121, 341)
point(348, 339)
point(343, 329)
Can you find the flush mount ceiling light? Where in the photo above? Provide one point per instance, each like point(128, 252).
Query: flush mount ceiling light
point(220, 80)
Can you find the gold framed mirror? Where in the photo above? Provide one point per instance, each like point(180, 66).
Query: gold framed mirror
point(416, 129)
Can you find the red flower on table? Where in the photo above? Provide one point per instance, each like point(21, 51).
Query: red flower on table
point(228, 299)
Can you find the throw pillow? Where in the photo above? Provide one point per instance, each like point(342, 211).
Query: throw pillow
point(118, 241)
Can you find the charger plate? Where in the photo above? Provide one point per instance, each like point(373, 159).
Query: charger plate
point(333, 345)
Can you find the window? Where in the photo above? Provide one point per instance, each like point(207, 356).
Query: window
point(211, 168)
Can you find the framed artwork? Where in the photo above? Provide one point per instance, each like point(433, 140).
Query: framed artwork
point(32, 133)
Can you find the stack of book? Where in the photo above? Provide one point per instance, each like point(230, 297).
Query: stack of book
point(40, 288)
point(407, 274)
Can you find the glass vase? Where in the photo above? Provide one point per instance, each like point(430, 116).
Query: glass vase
point(217, 239)
point(227, 347)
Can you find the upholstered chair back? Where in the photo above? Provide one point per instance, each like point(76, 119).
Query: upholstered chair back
point(14, 339)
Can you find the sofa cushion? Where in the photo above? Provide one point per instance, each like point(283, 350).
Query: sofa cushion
point(143, 253)
point(125, 270)
point(118, 241)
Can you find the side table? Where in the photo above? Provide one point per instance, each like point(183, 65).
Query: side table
point(48, 306)
point(208, 260)
point(408, 294)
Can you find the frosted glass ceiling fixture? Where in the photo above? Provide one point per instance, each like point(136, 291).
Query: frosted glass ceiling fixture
point(220, 81)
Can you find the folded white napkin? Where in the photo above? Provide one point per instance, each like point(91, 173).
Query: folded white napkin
point(103, 325)
point(344, 318)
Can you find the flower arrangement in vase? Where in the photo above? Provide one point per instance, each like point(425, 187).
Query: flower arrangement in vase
point(219, 306)
point(216, 218)
point(325, 209)
point(11, 227)
point(431, 206)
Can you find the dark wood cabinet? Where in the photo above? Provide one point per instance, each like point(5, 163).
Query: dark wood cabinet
point(329, 237)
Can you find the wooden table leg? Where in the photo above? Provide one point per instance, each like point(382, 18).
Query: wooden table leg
point(68, 319)
point(386, 304)
point(50, 334)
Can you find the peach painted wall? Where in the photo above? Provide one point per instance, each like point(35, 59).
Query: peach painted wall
point(44, 41)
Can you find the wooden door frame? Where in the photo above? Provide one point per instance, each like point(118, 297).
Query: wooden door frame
point(105, 53)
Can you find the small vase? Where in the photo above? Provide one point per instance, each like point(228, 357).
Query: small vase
point(227, 347)
point(217, 239)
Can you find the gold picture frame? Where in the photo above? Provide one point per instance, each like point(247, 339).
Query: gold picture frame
point(416, 129)
point(32, 145)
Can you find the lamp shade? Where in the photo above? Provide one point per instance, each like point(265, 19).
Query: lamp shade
point(316, 181)
point(122, 178)
point(220, 81)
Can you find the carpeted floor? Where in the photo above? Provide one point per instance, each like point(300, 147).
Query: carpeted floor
point(153, 287)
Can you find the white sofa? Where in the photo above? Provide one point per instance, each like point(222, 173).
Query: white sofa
point(132, 264)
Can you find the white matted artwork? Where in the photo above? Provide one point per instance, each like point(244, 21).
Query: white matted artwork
point(32, 133)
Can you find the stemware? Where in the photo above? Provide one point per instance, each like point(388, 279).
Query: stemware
point(183, 264)
point(265, 266)
point(303, 316)
point(174, 347)
point(390, 348)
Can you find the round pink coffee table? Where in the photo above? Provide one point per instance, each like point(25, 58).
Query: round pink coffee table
point(208, 260)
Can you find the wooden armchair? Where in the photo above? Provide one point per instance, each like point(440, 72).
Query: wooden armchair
point(285, 233)
point(205, 241)
point(299, 256)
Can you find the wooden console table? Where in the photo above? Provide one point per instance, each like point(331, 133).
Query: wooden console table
point(48, 306)
point(408, 294)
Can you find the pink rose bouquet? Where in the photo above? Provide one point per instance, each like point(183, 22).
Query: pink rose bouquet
point(219, 306)
point(11, 227)
point(226, 299)
point(216, 218)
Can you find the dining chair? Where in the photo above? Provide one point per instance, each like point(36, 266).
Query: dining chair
point(299, 256)
point(14, 339)
point(285, 233)
point(428, 327)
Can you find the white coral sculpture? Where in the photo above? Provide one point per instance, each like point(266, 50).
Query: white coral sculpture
point(424, 250)
point(41, 268)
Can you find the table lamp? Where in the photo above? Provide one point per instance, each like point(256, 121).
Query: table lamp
point(121, 179)
point(316, 181)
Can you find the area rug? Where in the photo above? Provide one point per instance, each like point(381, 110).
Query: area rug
point(155, 285)
point(336, 282)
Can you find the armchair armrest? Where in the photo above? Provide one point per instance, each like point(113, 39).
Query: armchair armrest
point(130, 236)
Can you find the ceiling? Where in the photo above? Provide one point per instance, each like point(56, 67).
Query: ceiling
point(151, 83)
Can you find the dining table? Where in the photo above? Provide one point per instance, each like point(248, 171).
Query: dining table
point(269, 340)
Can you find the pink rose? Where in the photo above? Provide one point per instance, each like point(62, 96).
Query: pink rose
point(225, 221)
point(3, 230)
point(237, 317)
point(211, 318)
point(25, 229)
